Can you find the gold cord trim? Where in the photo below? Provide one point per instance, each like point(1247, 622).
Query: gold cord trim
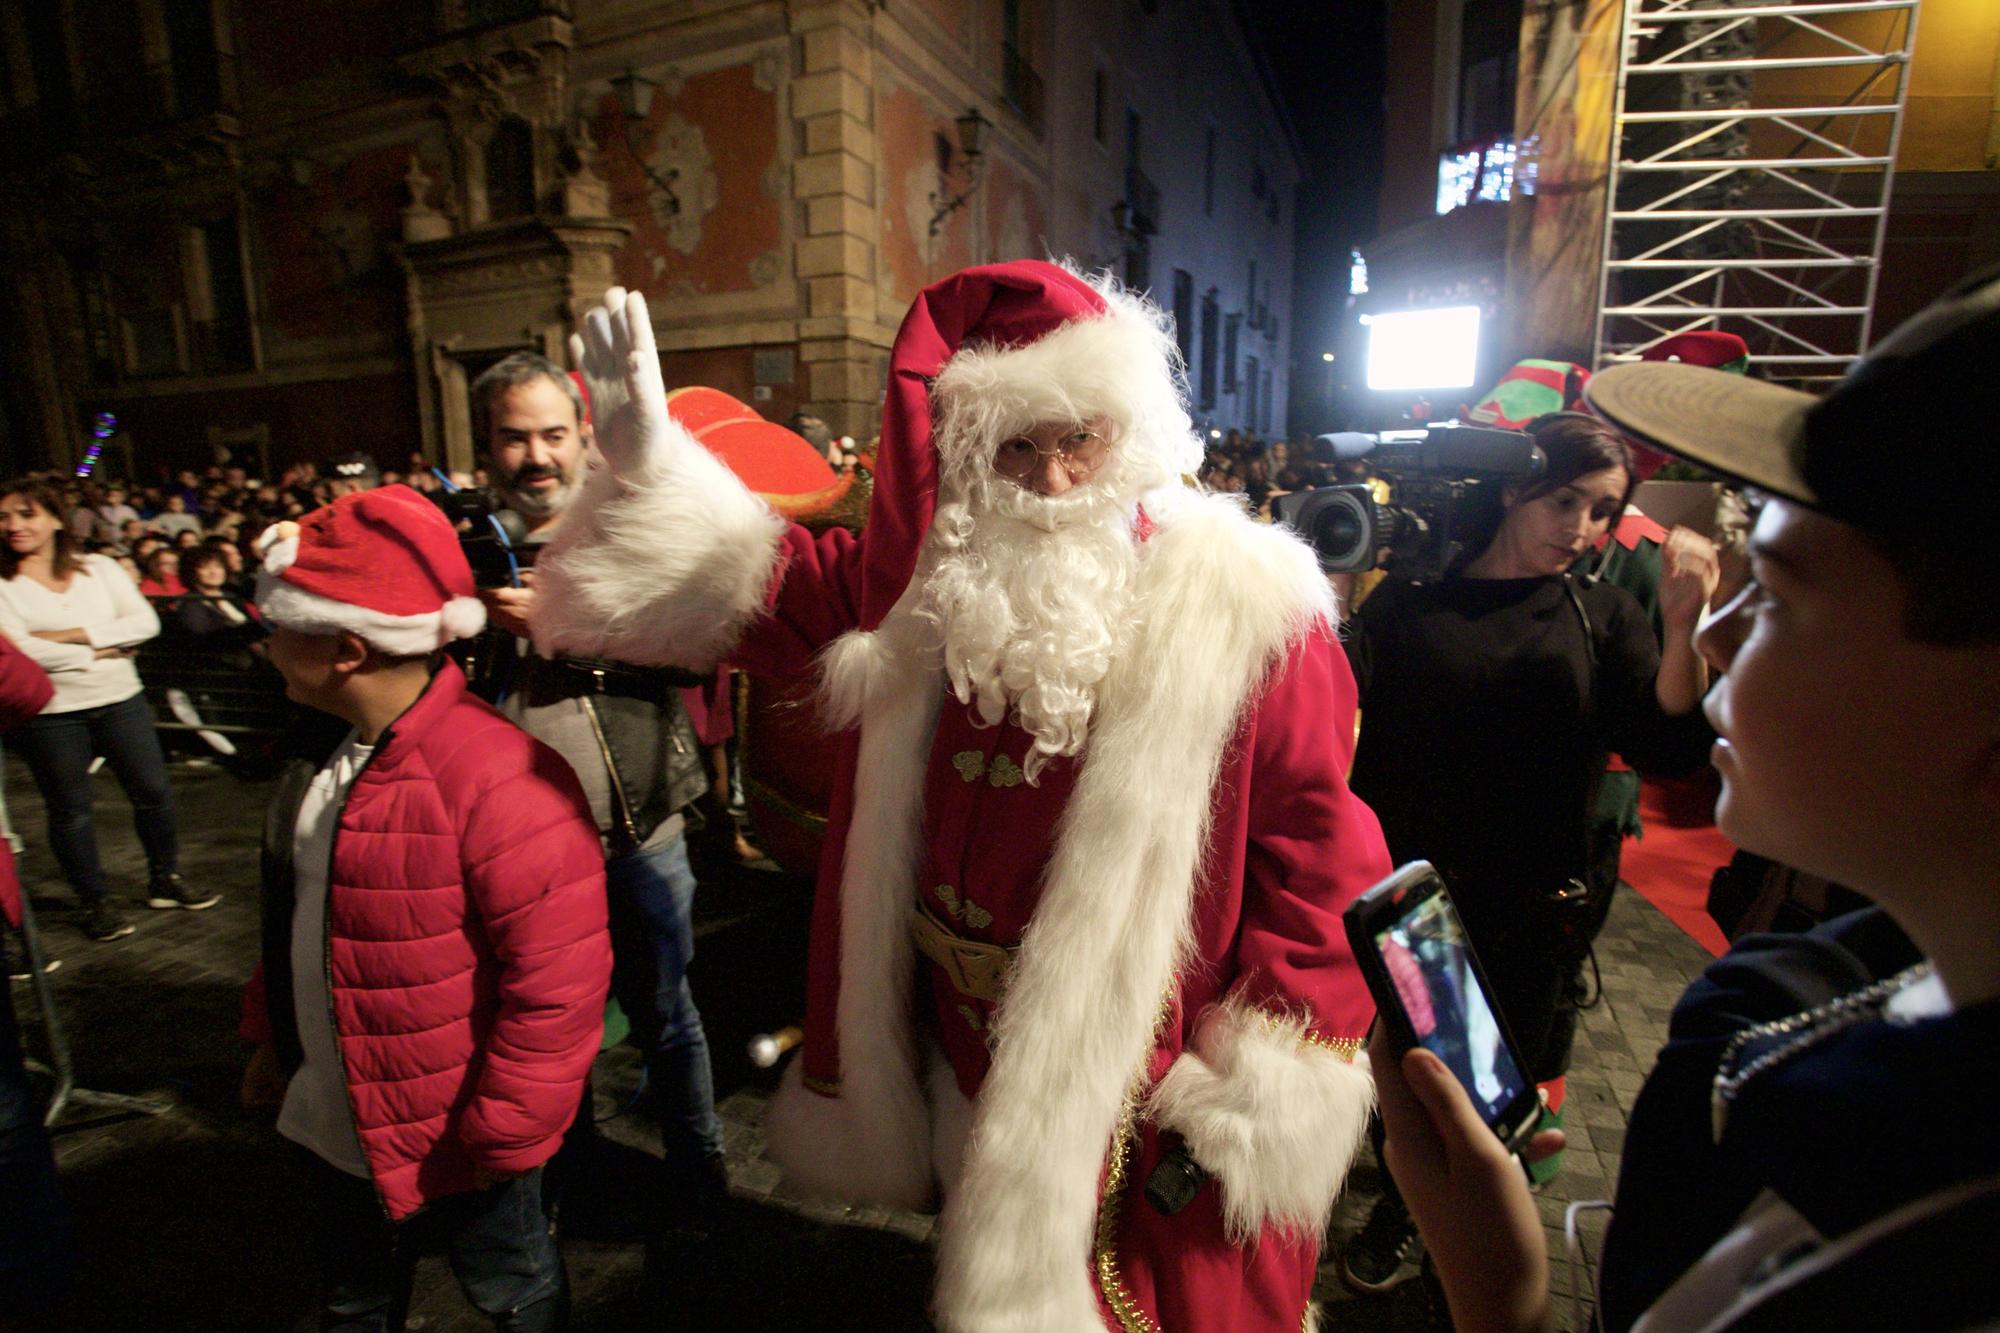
point(1118, 1297)
point(826, 1087)
point(1124, 1305)
point(1346, 1048)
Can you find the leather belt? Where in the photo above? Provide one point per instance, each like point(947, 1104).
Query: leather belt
point(568, 677)
point(977, 970)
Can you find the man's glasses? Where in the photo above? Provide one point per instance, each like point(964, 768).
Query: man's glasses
point(1081, 452)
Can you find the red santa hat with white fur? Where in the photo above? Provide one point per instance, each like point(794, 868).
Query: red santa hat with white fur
point(384, 564)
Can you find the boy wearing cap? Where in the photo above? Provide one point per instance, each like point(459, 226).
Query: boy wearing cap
point(1814, 1146)
point(435, 955)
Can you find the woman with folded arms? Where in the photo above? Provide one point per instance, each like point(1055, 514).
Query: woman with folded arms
point(80, 617)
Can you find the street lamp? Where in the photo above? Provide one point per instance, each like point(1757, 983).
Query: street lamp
point(971, 131)
point(635, 103)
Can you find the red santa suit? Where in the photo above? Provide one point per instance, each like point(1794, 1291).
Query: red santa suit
point(1168, 900)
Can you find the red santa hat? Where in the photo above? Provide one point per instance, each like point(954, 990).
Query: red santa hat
point(998, 349)
point(1697, 347)
point(384, 564)
point(1703, 347)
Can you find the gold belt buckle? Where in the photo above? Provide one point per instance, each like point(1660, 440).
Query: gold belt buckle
point(975, 969)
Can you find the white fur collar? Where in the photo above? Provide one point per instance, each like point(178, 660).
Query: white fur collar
point(1219, 599)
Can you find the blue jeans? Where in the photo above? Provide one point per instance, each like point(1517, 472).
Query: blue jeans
point(34, 1227)
point(498, 1241)
point(651, 894)
point(59, 748)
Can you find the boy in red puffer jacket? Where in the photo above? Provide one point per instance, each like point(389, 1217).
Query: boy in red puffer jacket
point(435, 955)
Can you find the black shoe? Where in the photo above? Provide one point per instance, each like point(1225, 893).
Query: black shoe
point(172, 891)
point(21, 970)
point(102, 921)
point(1384, 1252)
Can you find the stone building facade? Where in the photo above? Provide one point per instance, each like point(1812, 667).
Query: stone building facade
point(289, 229)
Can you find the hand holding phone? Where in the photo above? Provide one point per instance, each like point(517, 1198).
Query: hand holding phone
point(1430, 991)
point(1466, 1191)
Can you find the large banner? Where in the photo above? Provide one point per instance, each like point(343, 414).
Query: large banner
point(1562, 123)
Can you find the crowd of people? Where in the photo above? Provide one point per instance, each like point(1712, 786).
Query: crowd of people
point(1099, 806)
point(151, 529)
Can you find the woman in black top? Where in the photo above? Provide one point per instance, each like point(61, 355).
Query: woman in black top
point(1489, 701)
point(1491, 697)
point(209, 607)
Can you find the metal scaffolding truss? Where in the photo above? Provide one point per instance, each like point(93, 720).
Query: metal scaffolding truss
point(1749, 189)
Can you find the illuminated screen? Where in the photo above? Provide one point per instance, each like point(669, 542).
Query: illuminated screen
point(1423, 349)
point(1427, 960)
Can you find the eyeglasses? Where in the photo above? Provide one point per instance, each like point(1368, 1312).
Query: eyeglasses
point(1081, 452)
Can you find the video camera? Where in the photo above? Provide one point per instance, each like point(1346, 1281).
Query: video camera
point(1431, 472)
point(493, 537)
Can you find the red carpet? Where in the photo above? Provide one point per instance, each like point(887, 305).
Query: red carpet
point(1672, 863)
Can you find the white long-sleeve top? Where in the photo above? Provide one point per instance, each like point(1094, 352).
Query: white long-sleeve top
point(101, 601)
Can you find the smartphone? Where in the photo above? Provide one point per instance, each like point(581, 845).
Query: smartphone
point(1430, 992)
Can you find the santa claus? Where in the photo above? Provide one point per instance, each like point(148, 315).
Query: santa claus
point(1091, 838)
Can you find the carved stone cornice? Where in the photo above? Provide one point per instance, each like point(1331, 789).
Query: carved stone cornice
point(519, 69)
point(548, 253)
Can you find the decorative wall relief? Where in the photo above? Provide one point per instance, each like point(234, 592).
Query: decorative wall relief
point(680, 156)
point(700, 177)
point(910, 256)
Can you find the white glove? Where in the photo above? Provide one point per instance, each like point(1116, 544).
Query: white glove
point(628, 399)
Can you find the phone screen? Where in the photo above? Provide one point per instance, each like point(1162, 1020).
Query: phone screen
point(1424, 975)
point(1431, 965)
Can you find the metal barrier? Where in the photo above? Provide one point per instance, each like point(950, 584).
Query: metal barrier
point(213, 684)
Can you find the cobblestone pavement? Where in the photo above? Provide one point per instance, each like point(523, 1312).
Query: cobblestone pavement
point(194, 1219)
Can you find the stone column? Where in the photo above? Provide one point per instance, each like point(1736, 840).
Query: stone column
point(844, 333)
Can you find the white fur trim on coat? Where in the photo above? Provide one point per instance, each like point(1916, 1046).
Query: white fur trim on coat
point(1219, 600)
point(288, 605)
point(662, 567)
point(1274, 1118)
point(871, 1143)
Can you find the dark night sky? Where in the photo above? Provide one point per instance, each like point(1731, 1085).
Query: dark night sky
point(1327, 57)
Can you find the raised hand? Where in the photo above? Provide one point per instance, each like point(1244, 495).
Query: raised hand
point(621, 366)
point(1689, 571)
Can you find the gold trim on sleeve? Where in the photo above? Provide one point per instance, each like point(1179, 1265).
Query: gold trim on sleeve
point(1345, 1048)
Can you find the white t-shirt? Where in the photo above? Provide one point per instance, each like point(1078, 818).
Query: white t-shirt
point(104, 604)
point(317, 1114)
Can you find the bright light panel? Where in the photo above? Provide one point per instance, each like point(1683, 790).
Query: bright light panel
point(1423, 349)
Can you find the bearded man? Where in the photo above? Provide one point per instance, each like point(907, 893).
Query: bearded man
point(628, 737)
point(1090, 839)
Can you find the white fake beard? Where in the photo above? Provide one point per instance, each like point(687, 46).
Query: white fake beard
point(1031, 598)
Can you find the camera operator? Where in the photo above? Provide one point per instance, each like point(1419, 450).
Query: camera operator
point(627, 735)
point(1490, 698)
point(1813, 1148)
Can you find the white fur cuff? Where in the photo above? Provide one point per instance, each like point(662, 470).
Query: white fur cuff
point(665, 569)
point(1274, 1117)
point(832, 1148)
